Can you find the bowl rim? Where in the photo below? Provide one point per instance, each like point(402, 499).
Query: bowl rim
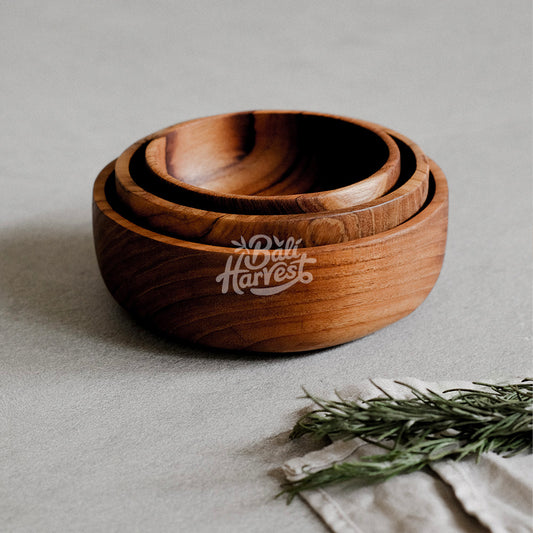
point(379, 182)
point(433, 205)
point(127, 188)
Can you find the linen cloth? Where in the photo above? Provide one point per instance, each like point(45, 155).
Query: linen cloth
point(494, 494)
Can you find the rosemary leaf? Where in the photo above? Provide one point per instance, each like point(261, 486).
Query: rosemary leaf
point(418, 430)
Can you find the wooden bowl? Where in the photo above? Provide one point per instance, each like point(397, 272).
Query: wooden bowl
point(273, 162)
point(172, 218)
point(269, 300)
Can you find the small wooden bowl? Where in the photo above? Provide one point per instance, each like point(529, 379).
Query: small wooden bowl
point(212, 295)
point(170, 217)
point(274, 162)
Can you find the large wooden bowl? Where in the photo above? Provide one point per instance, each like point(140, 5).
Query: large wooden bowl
point(273, 162)
point(214, 295)
point(134, 184)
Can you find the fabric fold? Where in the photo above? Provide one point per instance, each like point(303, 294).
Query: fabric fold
point(493, 494)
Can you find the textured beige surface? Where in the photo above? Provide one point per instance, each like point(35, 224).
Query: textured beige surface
point(104, 426)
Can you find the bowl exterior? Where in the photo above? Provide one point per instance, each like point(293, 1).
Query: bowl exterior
point(206, 294)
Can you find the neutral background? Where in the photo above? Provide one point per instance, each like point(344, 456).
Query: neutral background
point(106, 427)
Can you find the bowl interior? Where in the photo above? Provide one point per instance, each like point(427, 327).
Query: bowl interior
point(266, 153)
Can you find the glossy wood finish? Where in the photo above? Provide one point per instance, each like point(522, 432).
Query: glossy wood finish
point(357, 287)
point(274, 162)
point(173, 218)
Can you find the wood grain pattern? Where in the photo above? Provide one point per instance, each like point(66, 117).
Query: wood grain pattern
point(357, 287)
point(274, 162)
point(313, 229)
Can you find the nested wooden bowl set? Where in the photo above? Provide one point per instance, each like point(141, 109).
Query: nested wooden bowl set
point(273, 231)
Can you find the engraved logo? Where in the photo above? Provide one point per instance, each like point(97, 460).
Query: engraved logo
point(264, 266)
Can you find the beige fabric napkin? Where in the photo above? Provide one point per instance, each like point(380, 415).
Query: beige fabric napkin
point(494, 494)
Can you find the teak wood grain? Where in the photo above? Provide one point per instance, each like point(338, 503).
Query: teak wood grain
point(357, 287)
point(317, 228)
point(274, 162)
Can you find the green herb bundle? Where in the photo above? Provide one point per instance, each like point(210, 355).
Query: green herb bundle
point(416, 431)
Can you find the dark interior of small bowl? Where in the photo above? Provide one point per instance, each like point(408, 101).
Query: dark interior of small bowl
point(273, 153)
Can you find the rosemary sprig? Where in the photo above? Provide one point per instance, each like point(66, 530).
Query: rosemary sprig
point(416, 431)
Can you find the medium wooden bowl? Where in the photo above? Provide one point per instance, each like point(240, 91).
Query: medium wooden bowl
point(172, 218)
point(273, 162)
point(212, 295)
